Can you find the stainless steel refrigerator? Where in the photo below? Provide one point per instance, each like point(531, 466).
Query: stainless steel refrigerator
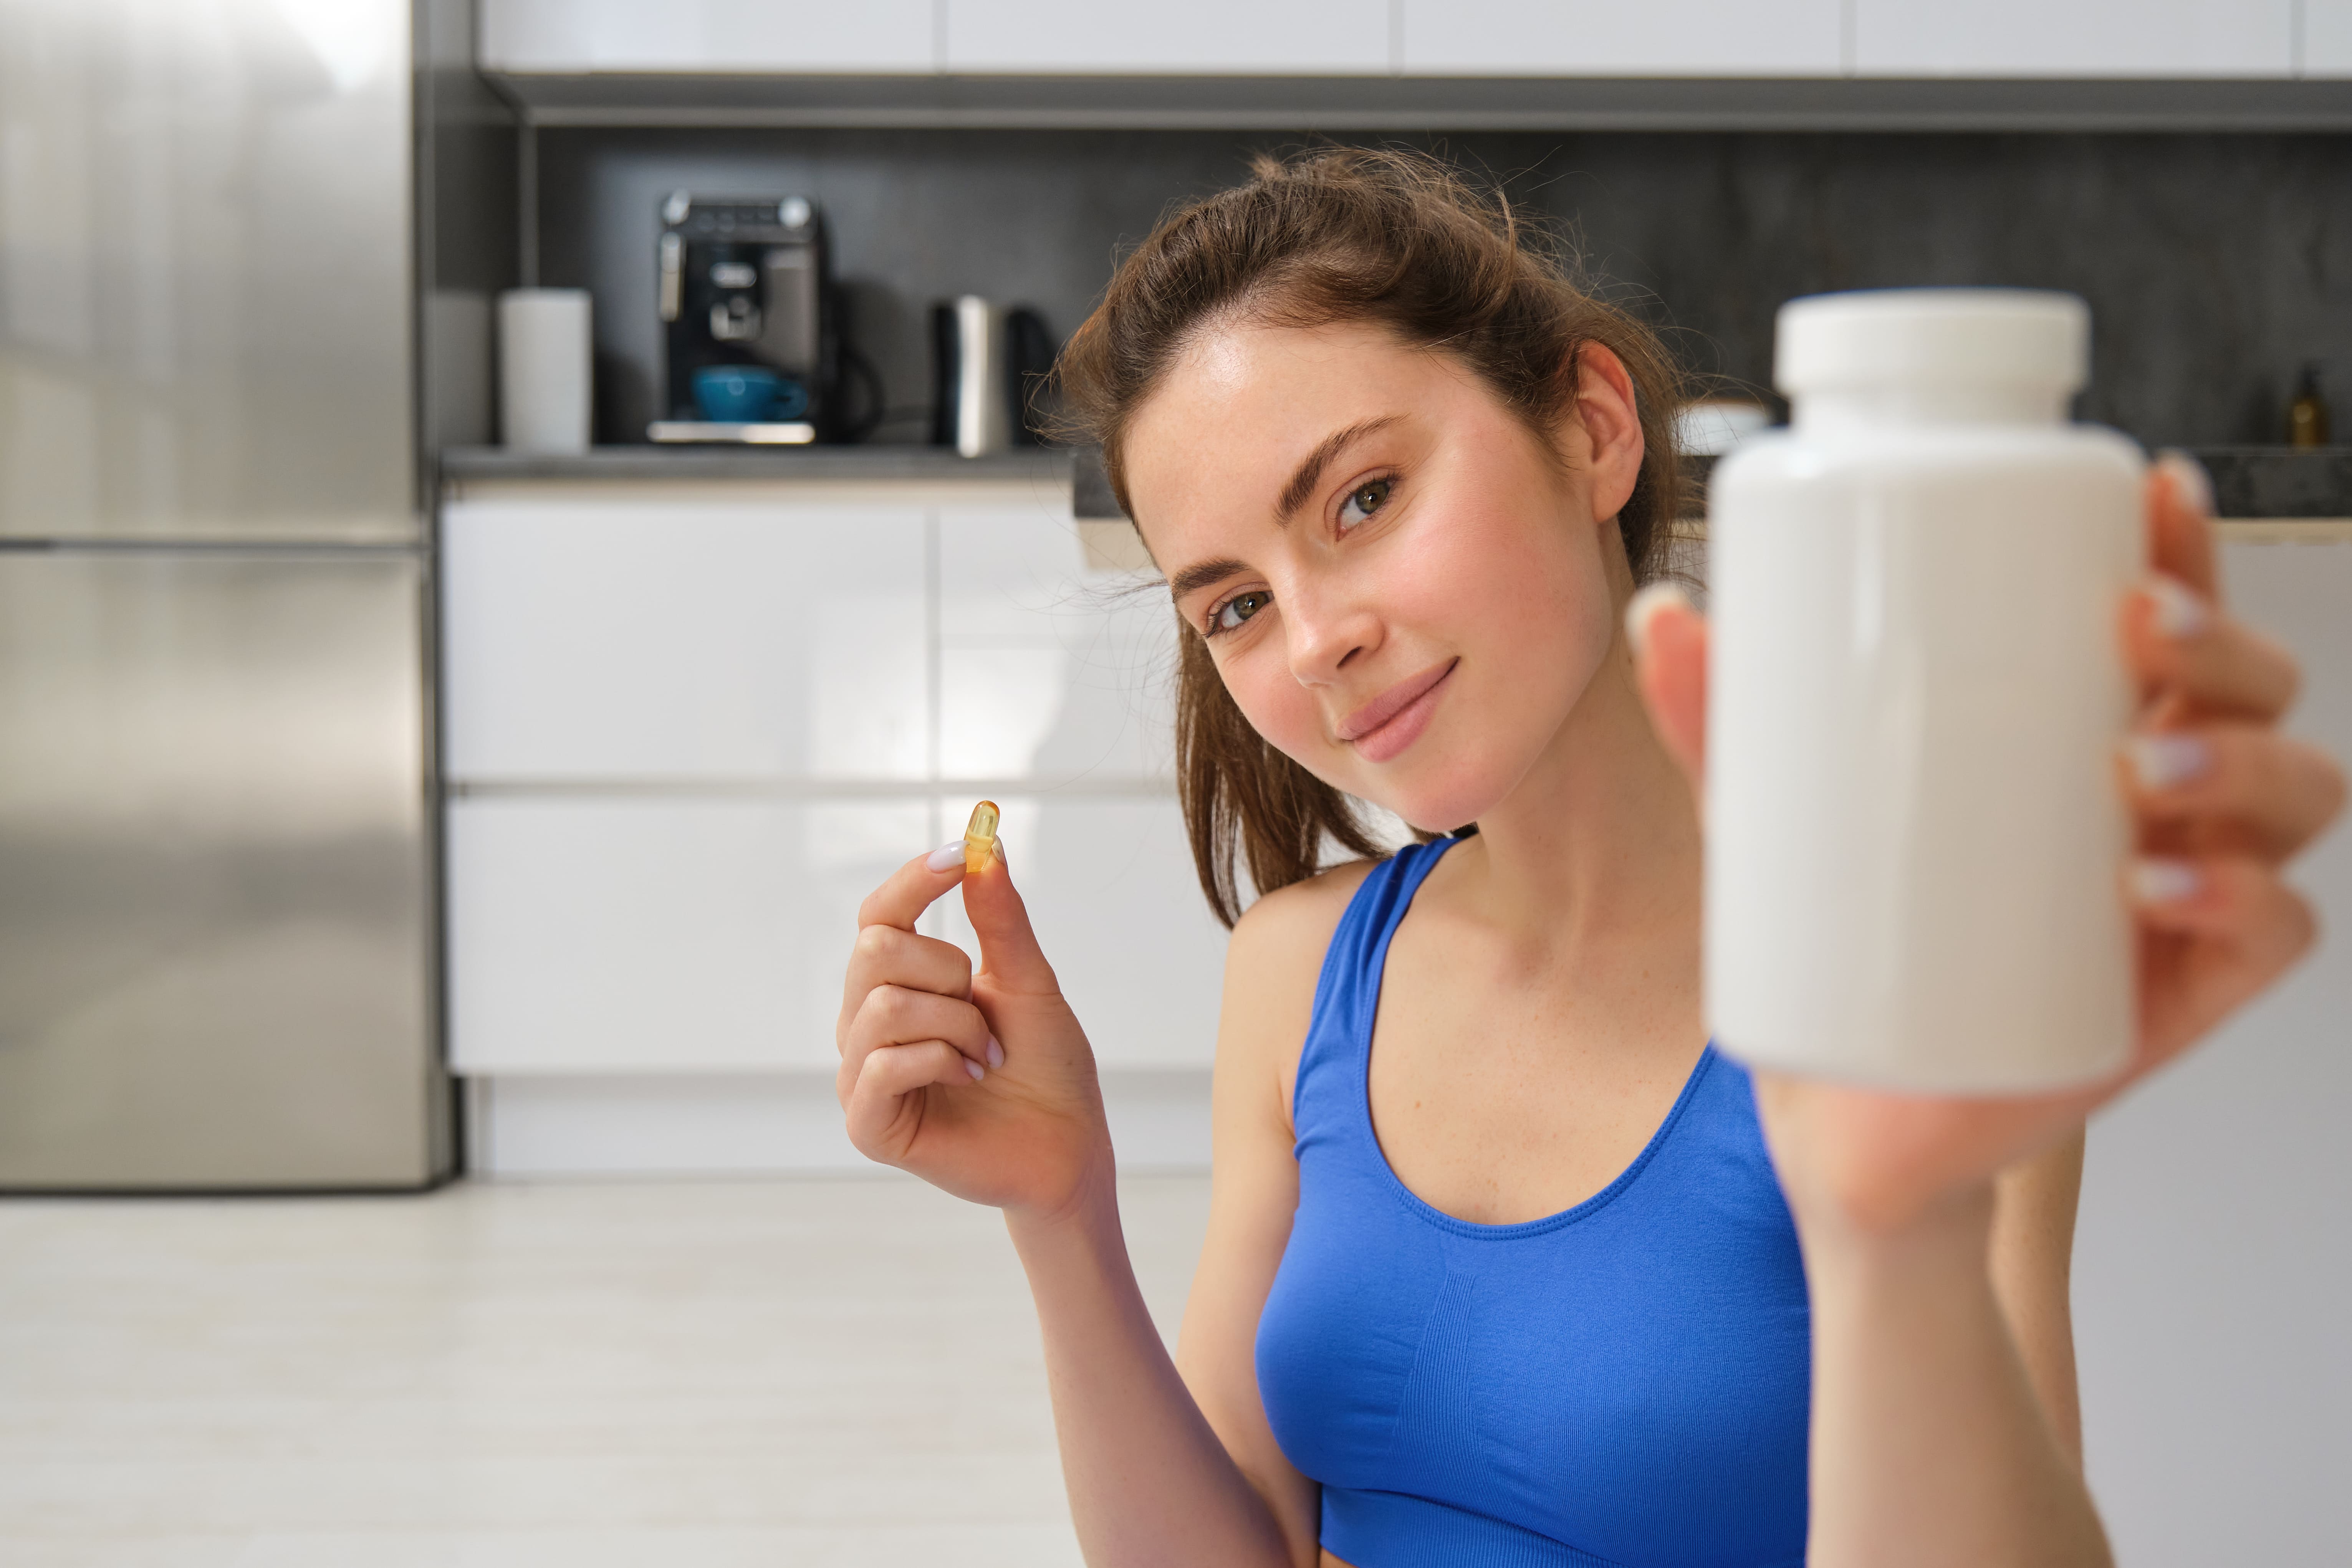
point(217, 945)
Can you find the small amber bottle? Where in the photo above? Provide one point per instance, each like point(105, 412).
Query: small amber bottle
point(2307, 417)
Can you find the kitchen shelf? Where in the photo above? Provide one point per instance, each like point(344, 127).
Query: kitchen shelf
point(2279, 482)
point(1383, 102)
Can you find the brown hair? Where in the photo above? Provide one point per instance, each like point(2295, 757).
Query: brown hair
point(1389, 236)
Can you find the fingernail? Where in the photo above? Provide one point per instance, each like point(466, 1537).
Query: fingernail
point(2155, 881)
point(976, 1070)
point(947, 857)
point(1645, 604)
point(996, 1053)
point(2160, 761)
point(2179, 612)
point(996, 845)
point(2190, 483)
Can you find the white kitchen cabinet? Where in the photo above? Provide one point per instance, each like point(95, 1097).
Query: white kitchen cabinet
point(1116, 908)
point(1049, 670)
point(716, 35)
point(658, 934)
point(2186, 39)
point(1608, 38)
point(686, 732)
point(2327, 38)
point(1284, 37)
point(614, 642)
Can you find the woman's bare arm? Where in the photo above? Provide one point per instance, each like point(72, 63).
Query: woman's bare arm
point(1930, 1444)
point(2032, 1269)
point(1176, 1468)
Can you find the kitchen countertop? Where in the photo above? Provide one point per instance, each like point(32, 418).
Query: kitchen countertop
point(2269, 484)
point(823, 463)
point(2279, 482)
point(464, 468)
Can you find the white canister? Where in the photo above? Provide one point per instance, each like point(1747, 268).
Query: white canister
point(983, 421)
point(1917, 836)
point(544, 354)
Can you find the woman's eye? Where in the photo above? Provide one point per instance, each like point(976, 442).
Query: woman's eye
point(1238, 608)
point(1364, 500)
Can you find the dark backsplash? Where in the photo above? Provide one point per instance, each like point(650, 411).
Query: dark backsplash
point(2216, 265)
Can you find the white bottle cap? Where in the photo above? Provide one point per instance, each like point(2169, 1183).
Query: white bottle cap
point(2012, 337)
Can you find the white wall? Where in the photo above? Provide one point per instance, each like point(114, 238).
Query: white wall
point(2213, 1266)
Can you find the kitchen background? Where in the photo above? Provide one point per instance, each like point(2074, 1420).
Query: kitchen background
point(2217, 266)
point(387, 806)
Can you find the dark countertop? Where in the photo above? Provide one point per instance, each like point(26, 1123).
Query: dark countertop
point(823, 463)
point(2248, 481)
point(2279, 481)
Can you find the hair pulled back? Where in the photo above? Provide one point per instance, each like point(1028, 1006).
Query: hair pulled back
point(1404, 241)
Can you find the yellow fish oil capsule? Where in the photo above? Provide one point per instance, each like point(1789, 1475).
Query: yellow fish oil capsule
point(980, 838)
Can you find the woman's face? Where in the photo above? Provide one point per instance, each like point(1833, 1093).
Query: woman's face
point(1403, 591)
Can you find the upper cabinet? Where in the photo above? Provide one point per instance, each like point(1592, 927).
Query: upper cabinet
point(1205, 36)
point(2327, 38)
point(782, 37)
point(2075, 38)
point(1608, 38)
point(1731, 41)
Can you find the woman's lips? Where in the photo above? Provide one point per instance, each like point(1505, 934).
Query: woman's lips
point(1394, 719)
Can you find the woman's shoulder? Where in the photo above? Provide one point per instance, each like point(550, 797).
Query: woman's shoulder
point(1271, 966)
point(1295, 921)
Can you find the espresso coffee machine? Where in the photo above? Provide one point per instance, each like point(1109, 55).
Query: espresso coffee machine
point(749, 347)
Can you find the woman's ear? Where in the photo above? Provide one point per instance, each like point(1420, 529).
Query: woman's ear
point(1606, 409)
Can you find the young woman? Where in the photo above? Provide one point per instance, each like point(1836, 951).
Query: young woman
point(1498, 1270)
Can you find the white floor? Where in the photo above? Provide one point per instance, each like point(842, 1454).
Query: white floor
point(698, 1374)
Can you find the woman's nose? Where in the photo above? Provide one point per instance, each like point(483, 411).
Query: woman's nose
point(1328, 632)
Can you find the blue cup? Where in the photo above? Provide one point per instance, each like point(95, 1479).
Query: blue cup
point(748, 394)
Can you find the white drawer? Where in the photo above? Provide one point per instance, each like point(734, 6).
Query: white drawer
point(675, 935)
point(636, 643)
point(1111, 892)
point(650, 933)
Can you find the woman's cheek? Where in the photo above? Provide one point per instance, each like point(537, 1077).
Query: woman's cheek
point(1281, 710)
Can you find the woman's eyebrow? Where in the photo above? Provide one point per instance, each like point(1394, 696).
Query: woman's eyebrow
point(1302, 483)
point(1201, 574)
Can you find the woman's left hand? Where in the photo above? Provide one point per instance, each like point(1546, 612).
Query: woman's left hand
point(2222, 802)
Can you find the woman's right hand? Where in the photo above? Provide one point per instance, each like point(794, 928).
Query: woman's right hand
point(1019, 1126)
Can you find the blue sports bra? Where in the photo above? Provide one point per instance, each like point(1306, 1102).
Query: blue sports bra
point(1622, 1384)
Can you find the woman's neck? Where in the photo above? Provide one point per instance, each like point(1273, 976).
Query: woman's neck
point(1600, 837)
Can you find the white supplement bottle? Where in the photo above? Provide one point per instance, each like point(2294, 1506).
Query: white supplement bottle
point(1916, 835)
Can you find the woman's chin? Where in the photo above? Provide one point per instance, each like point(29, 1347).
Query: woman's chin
point(1437, 805)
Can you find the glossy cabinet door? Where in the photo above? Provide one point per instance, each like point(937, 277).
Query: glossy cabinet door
point(1050, 672)
point(2326, 47)
point(686, 740)
point(658, 933)
point(610, 641)
point(2187, 39)
point(1281, 37)
point(1607, 37)
point(1112, 894)
point(713, 35)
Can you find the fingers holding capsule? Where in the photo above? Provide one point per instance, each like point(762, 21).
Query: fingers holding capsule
point(979, 844)
point(882, 1096)
point(892, 1019)
point(886, 956)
